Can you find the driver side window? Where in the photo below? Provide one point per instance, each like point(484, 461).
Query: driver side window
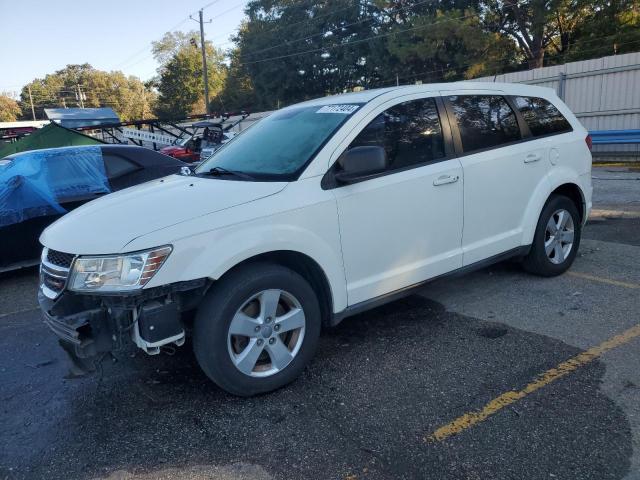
point(410, 133)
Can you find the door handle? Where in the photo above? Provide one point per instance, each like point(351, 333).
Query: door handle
point(532, 157)
point(444, 179)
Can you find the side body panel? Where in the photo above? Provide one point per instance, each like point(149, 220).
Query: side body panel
point(211, 245)
point(400, 228)
point(499, 186)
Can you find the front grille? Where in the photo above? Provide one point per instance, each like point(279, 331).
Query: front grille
point(54, 271)
point(60, 259)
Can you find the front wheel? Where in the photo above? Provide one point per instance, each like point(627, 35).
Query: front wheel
point(556, 240)
point(257, 329)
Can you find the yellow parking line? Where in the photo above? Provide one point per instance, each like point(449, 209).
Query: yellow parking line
point(470, 419)
point(617, 283)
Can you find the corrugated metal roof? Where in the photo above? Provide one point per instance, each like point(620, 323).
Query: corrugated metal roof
point(82, 117)
point(81, 113)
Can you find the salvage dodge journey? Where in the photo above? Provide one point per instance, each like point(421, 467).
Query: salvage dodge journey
point(321, 210)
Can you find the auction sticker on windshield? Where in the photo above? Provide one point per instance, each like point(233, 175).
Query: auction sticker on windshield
point(344, 109)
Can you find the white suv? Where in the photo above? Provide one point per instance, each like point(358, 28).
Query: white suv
point(321, 210)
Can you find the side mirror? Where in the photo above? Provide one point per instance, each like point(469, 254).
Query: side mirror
point(360, 163)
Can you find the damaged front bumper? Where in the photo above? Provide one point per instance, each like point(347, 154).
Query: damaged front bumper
point(90, 326)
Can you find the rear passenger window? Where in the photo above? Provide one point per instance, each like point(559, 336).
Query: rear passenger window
point(542, 117)
point(484, 121)
point(410, 132)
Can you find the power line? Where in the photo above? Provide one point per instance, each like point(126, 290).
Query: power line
point(370, 38)
point(309, 20)
point(177, 25)
point(290, 25)
point(354, 42)
point(364, 20)
point(494, 63)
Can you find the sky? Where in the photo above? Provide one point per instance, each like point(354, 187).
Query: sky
point(42, 36)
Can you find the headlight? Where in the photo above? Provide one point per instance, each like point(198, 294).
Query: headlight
point(116, 273)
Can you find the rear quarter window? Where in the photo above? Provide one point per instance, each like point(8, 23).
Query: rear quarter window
point(542, 117)
point(117, 166)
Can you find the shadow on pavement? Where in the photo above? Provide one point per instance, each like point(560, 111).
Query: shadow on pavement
point(380, 383)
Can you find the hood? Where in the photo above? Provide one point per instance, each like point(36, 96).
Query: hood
point(108, 224)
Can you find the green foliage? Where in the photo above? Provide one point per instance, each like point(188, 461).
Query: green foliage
point(9, 109)
point(290, 50)
point(279, 30)
point(603, 28)
point(448, 45)
point(180, 84)
point(83, 85)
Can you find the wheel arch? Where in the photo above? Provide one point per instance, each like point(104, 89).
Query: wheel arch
point(575, 194)
point(304, 266)
point(568, 188)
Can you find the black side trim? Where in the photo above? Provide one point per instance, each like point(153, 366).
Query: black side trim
point(525, 133)
point(403, 292)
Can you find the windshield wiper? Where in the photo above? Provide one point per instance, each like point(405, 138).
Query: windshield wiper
point(219, 172)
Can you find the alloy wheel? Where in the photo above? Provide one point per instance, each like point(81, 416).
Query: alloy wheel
point(559, 236)
point(266, 333)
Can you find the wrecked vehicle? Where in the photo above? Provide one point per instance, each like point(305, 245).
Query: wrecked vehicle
point(208, 136)
point(322, 210)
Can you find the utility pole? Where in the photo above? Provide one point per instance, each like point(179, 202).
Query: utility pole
point(33, 111)
point(205, 74)
point(80, 95)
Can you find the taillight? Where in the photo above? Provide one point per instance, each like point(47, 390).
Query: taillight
point(589, 142)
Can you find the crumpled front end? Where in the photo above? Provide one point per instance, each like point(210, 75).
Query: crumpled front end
point(89, 326)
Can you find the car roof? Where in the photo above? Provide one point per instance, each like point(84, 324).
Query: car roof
point(143, 156)
point(366, 96)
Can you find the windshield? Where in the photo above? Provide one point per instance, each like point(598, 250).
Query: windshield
point(280, 146)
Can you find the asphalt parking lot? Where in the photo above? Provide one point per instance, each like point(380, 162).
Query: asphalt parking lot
point(496, 374)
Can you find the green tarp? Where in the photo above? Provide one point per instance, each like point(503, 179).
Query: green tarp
point(49, 136)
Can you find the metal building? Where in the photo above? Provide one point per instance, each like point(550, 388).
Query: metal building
point(82, 117)
point(604, 93)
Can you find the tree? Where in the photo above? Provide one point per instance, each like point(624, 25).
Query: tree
point(83, 85)
point(180, 83)
point(9, 109)
point(289, 51)
point(531, 24)
point(448, 45)
point(603, 27)
point(238, 92)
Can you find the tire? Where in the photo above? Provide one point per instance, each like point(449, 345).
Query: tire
point(559, 211)
point(242, 299)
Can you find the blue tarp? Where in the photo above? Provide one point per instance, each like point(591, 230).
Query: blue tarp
point(32, 184)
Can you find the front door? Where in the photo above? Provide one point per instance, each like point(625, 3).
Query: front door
point(403, 226)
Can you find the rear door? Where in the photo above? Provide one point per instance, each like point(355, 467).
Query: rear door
point(501, 171)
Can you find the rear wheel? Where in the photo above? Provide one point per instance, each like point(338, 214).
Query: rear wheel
point(257, 329)
point(556, 240)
